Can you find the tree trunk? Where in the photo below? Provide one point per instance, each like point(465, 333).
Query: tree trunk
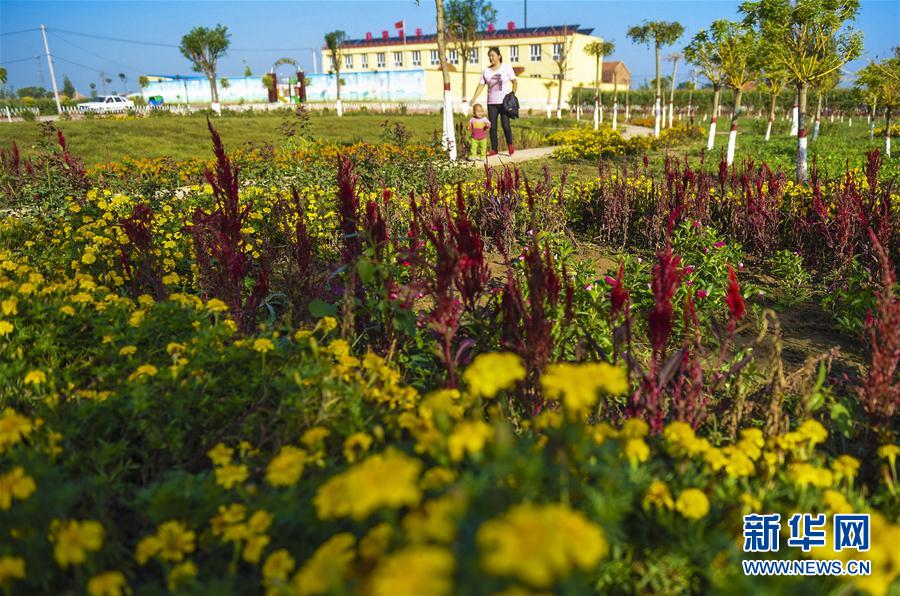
point(690, 103)
point(559, 96)
point(628, 102)
point(597, 93)
point(794, 113)
point(672, 93)
point(772, 103)
point(615, 99)
point(599, 90)
point(717, 89)
point(801, 133)
point(732, 135)
point(449, 134)
point(657, 108)
point(872, 118)
point(887, 132)
point(818, 117)
point(465, 64)
point(213, 90)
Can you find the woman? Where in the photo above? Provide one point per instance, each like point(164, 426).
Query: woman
point(500, 80)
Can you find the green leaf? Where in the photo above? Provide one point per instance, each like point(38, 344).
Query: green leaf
point(366, 271)
point(843, 422)
point(319, 308)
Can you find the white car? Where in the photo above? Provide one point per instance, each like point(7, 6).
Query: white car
point(106, 104)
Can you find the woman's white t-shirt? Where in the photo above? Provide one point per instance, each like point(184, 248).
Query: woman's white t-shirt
point(499, 82)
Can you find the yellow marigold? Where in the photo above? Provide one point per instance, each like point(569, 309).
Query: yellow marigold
point(355, 445)
point(637, 451)
point(493, 372)
point(67, 310)
point(74, 539)
point(277, 567)
point(324, 572)
point(35, 377)
point(175, 541)
point(578, 385)
point(813, 431)
point(376, 542)
point(635, 428)
point(692, 504)
point(437, 520)
point(836, 502)
point(108, 583)
point(10, 306)
point(888, 452)
point(362, 489)
point(127, 350)
point(6, 328)
point(230, 475)
point(751, 504)
point(804, 474)
point(739, 465)
point(658, 495)
point(88, 258)
point(437, 478)
point(254, 547)
point(286, 468)
point(180, 573)
point(414, 570)
point(216, 305)
point(678, 433)
point(540, 544)
point(220, 454)
point(263, 345)
point(845, 466)
point(11, 568)
point(13, 428)
point(143, 371)
point(15, 484)
point(314, 437)
point(469, 436)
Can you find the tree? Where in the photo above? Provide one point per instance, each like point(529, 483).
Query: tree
point(247, 71)
point(35, 92)
point(333, 41)
point(658, 33)
point(673, 58)
point(807, 38)
point(549, 85)
point(123, 79)
point(881, 80)
point(703, 52)
point(143, 81)
point(93, 87)
point(225, 83)
point(823, 87)
point(738, 51)
point(773, 81)
point(68, 88)
point(598, 49)
point(203, 47)
point(449, 133)
point(562, 45)
point(2, 76)
point(464, 18)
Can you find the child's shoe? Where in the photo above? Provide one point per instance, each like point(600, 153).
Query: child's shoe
point(512, 150)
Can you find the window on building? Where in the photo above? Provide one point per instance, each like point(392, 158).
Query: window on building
point(348, 61)
point(417, 58)
point(513, 53)
point(558, 52)
point(452, 57)
point(434, 57)
point(364, 61)
point(380, 60)
point(398, 59)
point(473, 56)
point(535, 52)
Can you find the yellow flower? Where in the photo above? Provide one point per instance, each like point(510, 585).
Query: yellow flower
point(180, 573)
point(314, 437)
point(220, 454)
point(263, 345)
point(127, 350)
point(148, 547)
point(10, 306)
point(813, 431)
point(635, 428)
point(11, 568)
point(836, 502)
point(67, 310)
point(108, 583)
point(578, 385)
point(376, 542)
point(286, 468)
point(658, 495)
point(751, 503)
point(6, 328)
point(468, 436)
point(804, 474)
point(327, 324)
point(637, 451)
point(88, 258)
point(692, 504)
point(143, 371)
point(437, 520)
point(493, 372)
point(324, 572)
point(15, 484)
point(277, 567)
point(739, 465)
point(35, 377)
point(845, 466)
point(414, 570)
point(254, 548)
point(230, 475)
point(356, 444)
point(540, 544)
point(361, 490)
point(216, 305)
point(175, 541)
point(73, 539)
point(889, 452)
point(437, 478)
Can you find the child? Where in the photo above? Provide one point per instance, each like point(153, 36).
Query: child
point(478, 126)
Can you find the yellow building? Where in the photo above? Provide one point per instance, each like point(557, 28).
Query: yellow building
point(540, 57)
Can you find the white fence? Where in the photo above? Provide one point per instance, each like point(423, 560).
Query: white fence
point(10, 113)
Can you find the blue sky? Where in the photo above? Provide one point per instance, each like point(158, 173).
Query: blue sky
point(257, 25)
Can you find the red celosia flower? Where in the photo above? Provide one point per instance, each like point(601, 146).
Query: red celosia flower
point(733, 297)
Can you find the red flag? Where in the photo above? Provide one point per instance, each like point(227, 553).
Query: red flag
point(399, 25)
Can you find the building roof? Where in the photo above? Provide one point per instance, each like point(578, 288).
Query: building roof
point(485, 35)
point(609, 67)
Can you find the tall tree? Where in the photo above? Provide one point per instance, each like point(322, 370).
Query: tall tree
point(738, 51)
point(449, 132)
point(822, 88)
point(2, 76)
point(703, 52)
point(598, 49)
point(658, 33)
point(123, 79)
point(673, 58)
point(68, 88)
point(464, 19)
point(882, 82)
point(810, 40)
point(93, 87)
point(334, 41)
point(772, 81)
point(562, 46)
point(203, 47)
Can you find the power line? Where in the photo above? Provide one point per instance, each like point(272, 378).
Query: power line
point(107, 58)
point(19, 60)
point(91, 68)
point(17, 32)
point(168, 45)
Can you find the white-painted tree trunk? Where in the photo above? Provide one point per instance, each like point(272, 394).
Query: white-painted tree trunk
point(549, 108)
point(558, 113)
point(794, 113)
point(656, 116)
point(851, 123)
point(671, 112)
point(801, 158)
point(449, 134)
point(464, 107)
point(615, 115)
point(712, 134)
point(339, 108)
point(596, 115)
point(887, 146)
point(732, 138)
point(768, 130)
point(816, 130)
point(601, 113)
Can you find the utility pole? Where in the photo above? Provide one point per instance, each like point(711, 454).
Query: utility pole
point(315, 62)
point(103, 81)
point(52, 75)
point(525, 24)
